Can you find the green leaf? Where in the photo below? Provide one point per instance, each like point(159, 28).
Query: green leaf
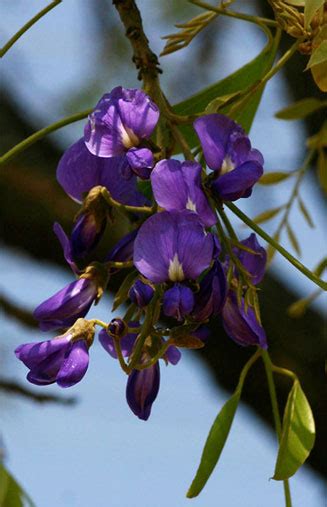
point(214, 445)
point(235, 82)
point(319, 55)
point(305, 213)
point(273, 177)
point(11, 494)
point(298, 434)
point(293, 240)
point(267, 215)
point(219, 102)
point(218, 434)
point(297, 3)
point(310, 8)
point(301, 109)
point(122, 293)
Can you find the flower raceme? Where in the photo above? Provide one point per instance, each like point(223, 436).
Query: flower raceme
point(181, 265)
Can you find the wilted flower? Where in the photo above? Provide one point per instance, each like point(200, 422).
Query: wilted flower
point(63, 359)
point(227, 150)
point(177, 186)
point(242, 324)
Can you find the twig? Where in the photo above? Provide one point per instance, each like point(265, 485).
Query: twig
point(12, 387)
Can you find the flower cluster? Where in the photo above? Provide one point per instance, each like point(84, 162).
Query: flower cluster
point(185, 269)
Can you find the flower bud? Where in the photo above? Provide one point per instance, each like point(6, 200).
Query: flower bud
point(141, 293)
point(178, 301)
point(117, 328)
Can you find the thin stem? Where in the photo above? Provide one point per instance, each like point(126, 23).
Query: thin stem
point(284, 371)
point(100, 323)
point(155, 358)
point(27, 26)
point(125, 207)
point(273, 398)
point(236, 15)
point(13, 152)
point(120, 356)
point(182, 142)
point(247, 367)
point(294, 194)
point(306, 271)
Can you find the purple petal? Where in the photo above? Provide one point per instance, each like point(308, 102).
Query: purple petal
point(86, 234)
point(32, 354)
point(255, 264)
point(177, 186)
point(173, 355)
point(142, 389)
point(214, 131)
point(141, 161)
point(141, 293)
point(74, 366)
point(242, 326)
point(120, 120)
point(66, 246)
point(46, 371)
point(138, 112)
point(126, 343)
point(178, 301)
point(124, 249)
point(79, 171)
point(172, 245)
point(67, 305)
point(211, 297)
point(234, 184)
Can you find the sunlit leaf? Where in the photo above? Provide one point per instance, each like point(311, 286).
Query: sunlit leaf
point(298, 434)
point(11, 493)
point(273, 177)
point(305, 212)
point(214, 445)
point(301, 109)
point(235, 82)
point(218, 435)
point(122, 293)
point(318, 56)
point(293, 240)
point(267, 215)
point(310, 8)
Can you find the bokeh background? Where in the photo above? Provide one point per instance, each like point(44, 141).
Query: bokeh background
point(87, 448)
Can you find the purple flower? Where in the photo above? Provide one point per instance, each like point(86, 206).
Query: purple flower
point(63, 308)
point(86, 234)
point(211, 297)
point(124, 248)
point(177, 186)
point(172, 245)
point(141, 293)
point(141, 161)
point(63, 359)
point(242, 326)
point(178, 301)
point(142, 389)
point(66, 246)
point(120, 121)
point(254, 263)
point(126, 342)
point(79, 171)
point(227, 150)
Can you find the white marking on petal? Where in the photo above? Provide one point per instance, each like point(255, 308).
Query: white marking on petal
point(129, 139)
point(227, 165)
point(190, 205)
point(175, 271)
